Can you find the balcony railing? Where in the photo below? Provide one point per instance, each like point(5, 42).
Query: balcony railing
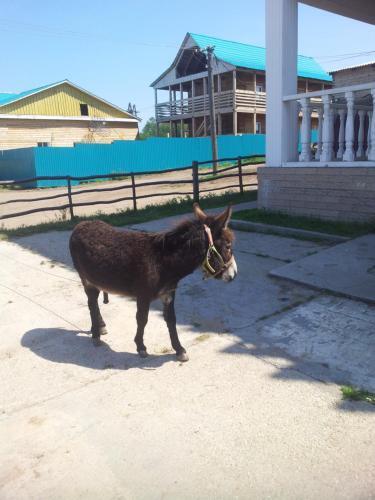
point(199, 105)
point(345, 126)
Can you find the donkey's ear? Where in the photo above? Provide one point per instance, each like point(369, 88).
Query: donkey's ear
point(223, 219)
point(199, 214)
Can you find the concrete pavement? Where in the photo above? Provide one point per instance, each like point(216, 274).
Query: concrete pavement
point(255, 413)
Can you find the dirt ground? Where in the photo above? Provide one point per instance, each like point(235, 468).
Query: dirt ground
point(159, 195)
point(256, 413)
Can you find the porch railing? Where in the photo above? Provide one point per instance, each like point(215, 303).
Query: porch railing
point(199, 104)
point(345, 122)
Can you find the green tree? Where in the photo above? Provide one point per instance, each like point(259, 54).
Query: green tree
point(149, 130)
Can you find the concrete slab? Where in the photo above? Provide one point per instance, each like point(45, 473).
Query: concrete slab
point(251, 413)
point(347, 269)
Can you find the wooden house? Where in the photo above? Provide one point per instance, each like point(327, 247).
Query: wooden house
point(61, 114)
point(239, 87)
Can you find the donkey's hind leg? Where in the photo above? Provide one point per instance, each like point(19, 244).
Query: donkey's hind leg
point(170, 319)
point(143, 307)
point(97, 323)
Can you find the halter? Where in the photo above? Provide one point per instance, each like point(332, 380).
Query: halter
point(209, 271)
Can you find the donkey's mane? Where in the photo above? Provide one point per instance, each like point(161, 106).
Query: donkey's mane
point(186, 232)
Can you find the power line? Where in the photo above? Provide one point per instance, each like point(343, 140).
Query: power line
point(22, 27)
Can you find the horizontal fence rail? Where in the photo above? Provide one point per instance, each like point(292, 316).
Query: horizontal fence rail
point(199, 176)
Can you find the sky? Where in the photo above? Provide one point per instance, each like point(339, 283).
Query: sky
point(116, 48)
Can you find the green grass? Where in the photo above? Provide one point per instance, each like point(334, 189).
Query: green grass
point(354, 394)
point(341, 228)
point(129, 216)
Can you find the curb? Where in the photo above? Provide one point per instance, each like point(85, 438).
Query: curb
point(258, 227)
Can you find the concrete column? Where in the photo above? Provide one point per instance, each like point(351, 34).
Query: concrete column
point(361, 134)
point(349, 128)
point(281, 80)
point(371, 155)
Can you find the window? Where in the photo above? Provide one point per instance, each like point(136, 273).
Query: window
point(84, 109)
point(43, 144)
point(260, 88)
point(258, 128)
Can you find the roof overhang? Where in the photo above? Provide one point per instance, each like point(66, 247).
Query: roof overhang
point(68, 118)
point(360, 10)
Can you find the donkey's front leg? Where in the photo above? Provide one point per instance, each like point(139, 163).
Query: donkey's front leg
point(170, 318)
point(143, 306)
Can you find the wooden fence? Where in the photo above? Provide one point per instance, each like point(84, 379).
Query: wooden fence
point(198, 182)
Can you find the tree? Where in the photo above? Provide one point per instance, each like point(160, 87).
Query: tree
point(149, 130)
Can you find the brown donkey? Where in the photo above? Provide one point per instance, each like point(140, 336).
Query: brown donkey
point(148, 266)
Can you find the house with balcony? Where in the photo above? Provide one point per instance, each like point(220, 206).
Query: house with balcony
point(335, 180)
point(181, 93)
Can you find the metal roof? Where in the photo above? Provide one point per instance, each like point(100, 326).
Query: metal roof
point(7, 98)
point(253, 57)
point(355, 66)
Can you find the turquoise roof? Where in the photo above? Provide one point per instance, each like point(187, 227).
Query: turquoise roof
point(253, 57)
point(9, 98)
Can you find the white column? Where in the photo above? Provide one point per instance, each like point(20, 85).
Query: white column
point(281, 80)
point(368, 150)
point(349, 128)
point(361, 134)
point(372, 132)
point(305, 130)
point(340, 151)
point(319, 145)
point(327, 139)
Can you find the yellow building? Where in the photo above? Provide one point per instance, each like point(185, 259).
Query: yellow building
point(61, 114)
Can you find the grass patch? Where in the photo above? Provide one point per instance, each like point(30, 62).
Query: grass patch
point(341, 228)
point(129, 216)
point(354, 394)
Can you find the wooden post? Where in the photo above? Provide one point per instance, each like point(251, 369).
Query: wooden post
point(134, 192)
point(195, 181)
point(239, 163)
point(210, 51)
point(156, 112)
point(70, 197)
point(234, 103)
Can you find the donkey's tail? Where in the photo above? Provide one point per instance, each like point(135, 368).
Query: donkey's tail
point(105, 298)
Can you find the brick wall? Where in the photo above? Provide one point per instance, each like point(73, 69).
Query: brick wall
point(338, 193)
point(354, 76)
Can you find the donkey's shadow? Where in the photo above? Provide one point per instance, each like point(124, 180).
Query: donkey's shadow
point(75, 347)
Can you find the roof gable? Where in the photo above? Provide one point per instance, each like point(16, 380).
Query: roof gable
point(8, 98)
point(243, 55)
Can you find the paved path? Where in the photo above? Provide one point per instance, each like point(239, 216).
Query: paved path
point(347, 269)
point(255, 413)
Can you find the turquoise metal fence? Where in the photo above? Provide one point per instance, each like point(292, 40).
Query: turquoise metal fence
point(121, 156)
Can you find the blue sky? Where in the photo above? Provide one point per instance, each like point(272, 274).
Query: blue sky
point(117, 48)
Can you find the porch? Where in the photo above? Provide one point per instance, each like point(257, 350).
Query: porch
point(293, 180)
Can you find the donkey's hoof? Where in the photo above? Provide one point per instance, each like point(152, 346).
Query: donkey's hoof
point(182, 357)
point(143, 354)
point(96, 341)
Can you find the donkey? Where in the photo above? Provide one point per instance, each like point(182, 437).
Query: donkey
point(147, 266)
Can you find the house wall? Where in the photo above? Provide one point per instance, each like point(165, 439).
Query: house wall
point(62, 100)
point(354, 76)
point(337, 193)
point(18, 133)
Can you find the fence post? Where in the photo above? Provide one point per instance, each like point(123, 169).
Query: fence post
point(239, 163)
point(134, 193)
point(195, 181)
point(70, 197)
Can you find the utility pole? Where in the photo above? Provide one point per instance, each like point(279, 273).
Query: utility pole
point(210, 51)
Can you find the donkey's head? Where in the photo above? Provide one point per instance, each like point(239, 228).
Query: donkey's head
point(219, 262)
